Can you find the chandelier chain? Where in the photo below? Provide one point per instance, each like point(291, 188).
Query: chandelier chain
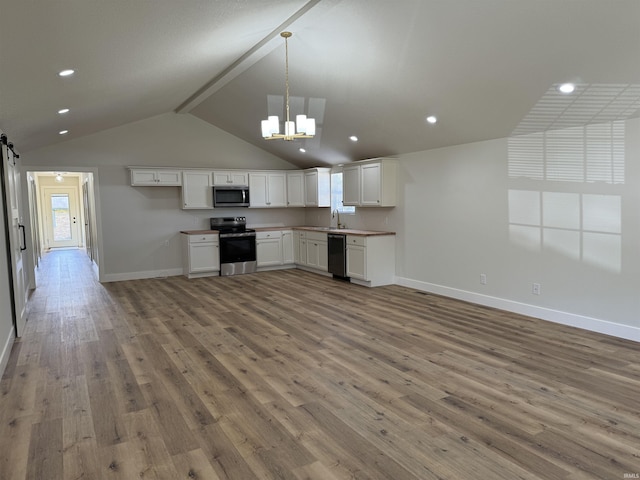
point(286, 74)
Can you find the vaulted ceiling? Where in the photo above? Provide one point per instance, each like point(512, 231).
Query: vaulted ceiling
point(370, 68)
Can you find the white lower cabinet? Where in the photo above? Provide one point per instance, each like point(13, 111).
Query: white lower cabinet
point(269, 249)
point(371, 260)
point(287, 247)
point(201, 254)
point(313, 251)
point(274, 249)
point(299, 247)
point(357, 261)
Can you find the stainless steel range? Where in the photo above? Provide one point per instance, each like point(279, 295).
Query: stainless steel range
point(237, 245)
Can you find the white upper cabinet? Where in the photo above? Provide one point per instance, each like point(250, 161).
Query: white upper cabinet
point(268, 189)
point(370, 183)
point(155, 177)
point(295, 189)
point(196, 189)
point(230, 177)
point(317, 187)
point(351, 185)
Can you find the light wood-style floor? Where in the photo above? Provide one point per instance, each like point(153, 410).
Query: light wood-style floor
point(290, 375)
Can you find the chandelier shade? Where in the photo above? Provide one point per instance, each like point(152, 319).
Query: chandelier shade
point(302, 127)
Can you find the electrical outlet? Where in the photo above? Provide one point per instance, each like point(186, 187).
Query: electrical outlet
point(166, 243)
point(535, 289)
point(483, 279)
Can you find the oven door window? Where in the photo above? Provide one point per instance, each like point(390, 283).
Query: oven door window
point(237, 249)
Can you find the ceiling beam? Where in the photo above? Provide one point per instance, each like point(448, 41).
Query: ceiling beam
point(253, 55)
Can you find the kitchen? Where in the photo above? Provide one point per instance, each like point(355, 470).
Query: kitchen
point(367, 256)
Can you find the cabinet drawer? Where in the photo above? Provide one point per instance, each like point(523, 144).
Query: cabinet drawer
point(316, 236)
point(267, 235)
point(204, 238)
point(357, 240)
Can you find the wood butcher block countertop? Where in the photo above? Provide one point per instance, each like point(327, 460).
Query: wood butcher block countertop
point(344, 231)
point(199, 232)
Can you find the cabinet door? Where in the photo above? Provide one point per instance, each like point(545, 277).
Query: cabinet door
point(317, 254)
point(312, 254)
point(196, 190)
point(269, 251)
point(357, 261)
point(287, 248)
point(311, 189)
point(143, 177)
point(370, 184)
point(230, 177)
point(323, 256)
point(303, 252)
point(203, 257)
point(351, 186)
point(169, 177)
point(297, 250)
point(277, 190)
point(258, 189)
point(295, 189)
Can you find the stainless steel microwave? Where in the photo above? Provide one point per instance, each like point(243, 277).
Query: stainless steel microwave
point(231, 196)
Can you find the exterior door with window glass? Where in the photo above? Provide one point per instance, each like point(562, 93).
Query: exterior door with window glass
point(62, 218)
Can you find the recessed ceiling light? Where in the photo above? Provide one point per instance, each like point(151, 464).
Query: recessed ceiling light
point(63, 132)
point(432, 119)
point(62, 111)
point(566, 88)
point(353, 138)
point(302, 150)
point(66, 73)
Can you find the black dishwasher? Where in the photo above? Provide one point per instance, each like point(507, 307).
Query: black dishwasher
point(337, 245)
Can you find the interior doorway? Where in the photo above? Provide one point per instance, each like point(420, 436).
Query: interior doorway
point(61, 217)
point(63, 209)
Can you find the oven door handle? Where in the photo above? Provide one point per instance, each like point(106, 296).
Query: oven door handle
point(236, 235)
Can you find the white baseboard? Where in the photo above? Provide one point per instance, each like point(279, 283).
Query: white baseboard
point(118, 277)
point(556, 316)
point(6, 351)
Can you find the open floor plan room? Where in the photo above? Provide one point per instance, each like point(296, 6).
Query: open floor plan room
point(292, 375)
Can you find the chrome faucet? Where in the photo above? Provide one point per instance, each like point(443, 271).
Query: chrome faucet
point(335, 214)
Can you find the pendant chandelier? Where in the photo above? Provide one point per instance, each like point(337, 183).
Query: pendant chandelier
point(303, 127)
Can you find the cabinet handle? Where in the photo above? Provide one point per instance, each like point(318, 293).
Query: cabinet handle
point(23, 246)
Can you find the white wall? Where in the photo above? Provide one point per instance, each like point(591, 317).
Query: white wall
point(135, 222)
point(462, 215)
